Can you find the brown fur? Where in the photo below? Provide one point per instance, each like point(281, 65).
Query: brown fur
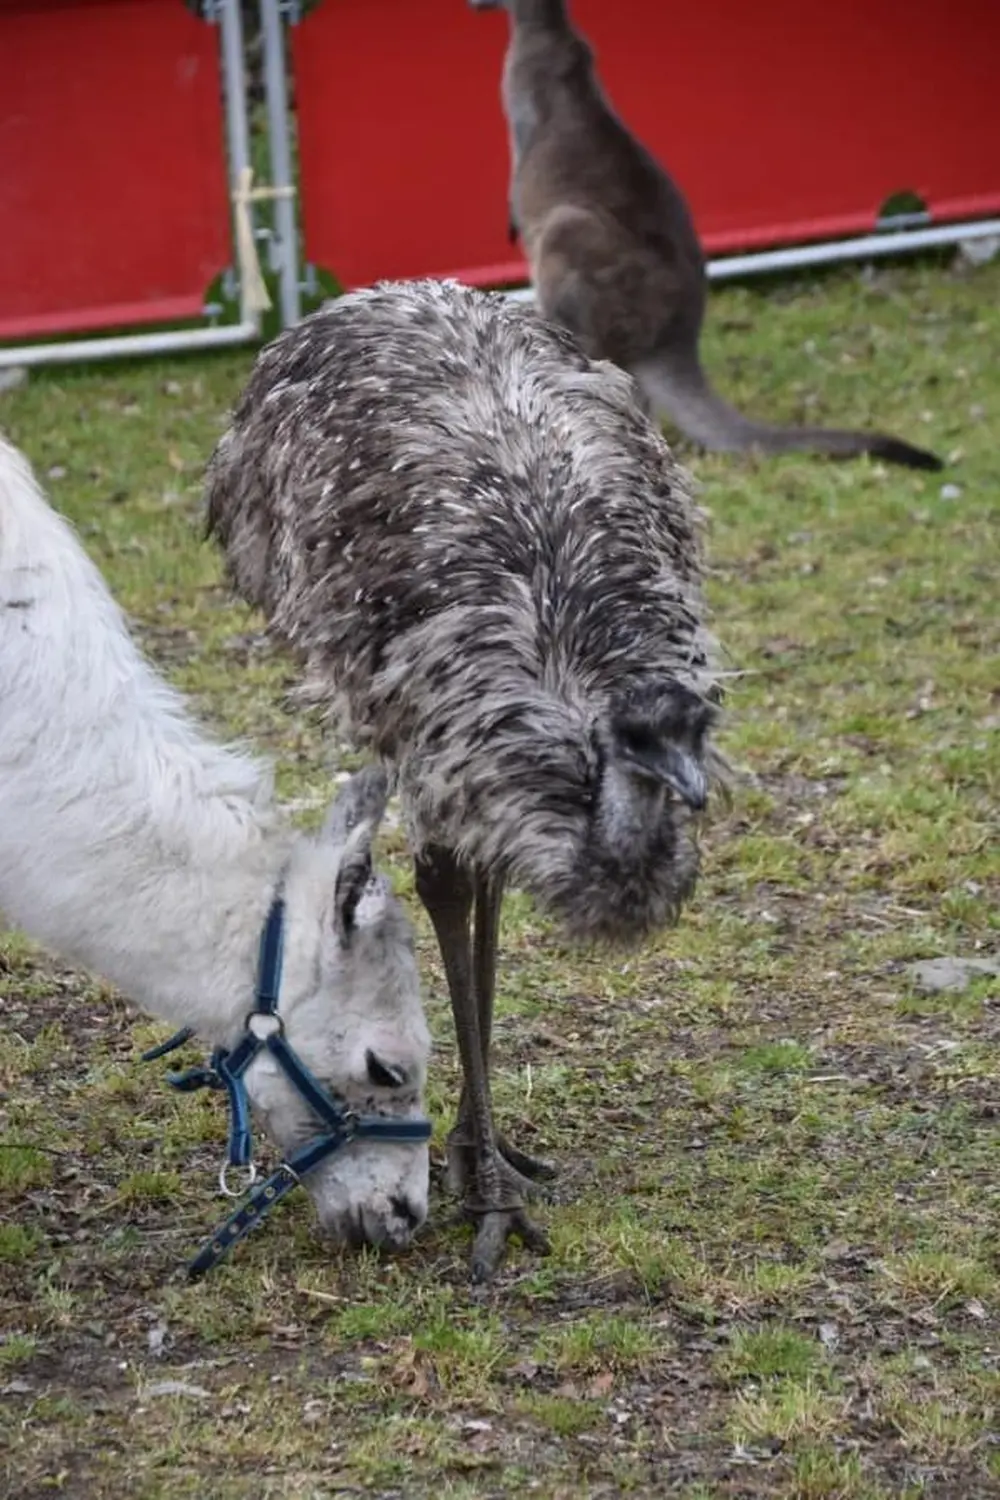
point(612, 246)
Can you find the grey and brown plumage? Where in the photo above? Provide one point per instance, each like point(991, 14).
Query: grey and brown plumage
point(489, 565)
point(612, 246)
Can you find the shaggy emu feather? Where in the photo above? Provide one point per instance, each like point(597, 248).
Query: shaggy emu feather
point(490, 566)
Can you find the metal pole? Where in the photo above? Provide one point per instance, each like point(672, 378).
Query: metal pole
point(121, 346)
point(234, 85)
point(906, 241)
point(281, 160)
point(235, 90)
point(866, 246)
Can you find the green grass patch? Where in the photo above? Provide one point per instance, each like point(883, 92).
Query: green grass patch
point(773, 1351)
point(774, 1267)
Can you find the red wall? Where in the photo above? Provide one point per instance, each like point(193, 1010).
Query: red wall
point(113, 198)
point(783, 120)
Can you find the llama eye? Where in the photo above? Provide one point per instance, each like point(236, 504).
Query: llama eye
point(382, 1075)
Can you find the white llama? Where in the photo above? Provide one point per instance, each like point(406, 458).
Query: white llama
point(143, 851)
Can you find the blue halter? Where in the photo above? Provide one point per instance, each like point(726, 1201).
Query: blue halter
point(226, 1069)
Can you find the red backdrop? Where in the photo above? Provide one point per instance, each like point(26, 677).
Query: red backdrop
point(783, 120)
point(113, 197)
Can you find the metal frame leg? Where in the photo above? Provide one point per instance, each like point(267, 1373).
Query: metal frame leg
point(284, 246)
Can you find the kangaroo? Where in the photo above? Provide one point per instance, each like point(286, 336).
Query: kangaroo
point(612, 247)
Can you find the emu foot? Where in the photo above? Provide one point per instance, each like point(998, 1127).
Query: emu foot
point(493, 1229)
point(520, 1175)
point(493, 1192)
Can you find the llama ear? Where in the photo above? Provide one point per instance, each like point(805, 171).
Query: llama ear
point(351, 825)
point(361, 800)
point(354, 874)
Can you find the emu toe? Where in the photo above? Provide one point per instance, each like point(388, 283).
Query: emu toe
point(492, 1192)
point(493, 1230)
point(534, 1168)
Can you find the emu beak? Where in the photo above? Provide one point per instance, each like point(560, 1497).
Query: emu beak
point(665, 761)
point(685, 775)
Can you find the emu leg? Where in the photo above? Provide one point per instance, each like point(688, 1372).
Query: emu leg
point(493, 1190)
point(485, 930)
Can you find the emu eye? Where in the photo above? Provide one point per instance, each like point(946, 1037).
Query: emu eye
point(384, 1075)
point(638, 739)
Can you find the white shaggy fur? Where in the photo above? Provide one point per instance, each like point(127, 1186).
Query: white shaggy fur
point(145, 852)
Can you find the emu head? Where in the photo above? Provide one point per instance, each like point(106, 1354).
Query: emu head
point(638, 861)
point(653, 747)
point(350, 1003)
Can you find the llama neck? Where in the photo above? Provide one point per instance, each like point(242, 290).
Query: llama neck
point(129, 842)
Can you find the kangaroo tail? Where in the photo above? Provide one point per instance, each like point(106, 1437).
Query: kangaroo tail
point(677, 388)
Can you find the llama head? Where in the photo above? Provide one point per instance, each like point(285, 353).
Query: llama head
point(350, 1003)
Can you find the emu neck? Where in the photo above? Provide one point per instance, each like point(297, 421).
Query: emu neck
point(129, 843)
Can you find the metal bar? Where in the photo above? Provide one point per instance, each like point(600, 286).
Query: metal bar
point(237, 124)
point(905, 242)
point(234, 84)
point(119, 347)
point(831, 251)
point(276, 92)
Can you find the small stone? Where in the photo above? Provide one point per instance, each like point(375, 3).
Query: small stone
point(13, 377)
point(829, 1335)
point(951, 491)
point(156, 1339)
point(948, 976)
point(175, 1388)
point(16, 1388)
point(977, 252)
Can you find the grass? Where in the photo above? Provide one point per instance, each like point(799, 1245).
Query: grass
point(774, 1267)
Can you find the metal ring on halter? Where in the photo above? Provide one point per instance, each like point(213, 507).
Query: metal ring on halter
point(262, 1024)
point(251, 1177)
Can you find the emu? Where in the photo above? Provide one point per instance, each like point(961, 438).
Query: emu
point(150, 854)
point(490, 567)
point(612, 246)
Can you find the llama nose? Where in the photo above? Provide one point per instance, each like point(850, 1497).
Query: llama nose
point(412, 1217)
point(354, 1231)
